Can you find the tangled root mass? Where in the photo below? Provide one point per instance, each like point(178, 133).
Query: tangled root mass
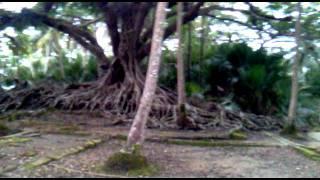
point(123, 98)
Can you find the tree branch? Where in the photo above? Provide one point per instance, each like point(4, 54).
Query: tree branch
point(147, 34)
point(91, 21)
point(47, 6)
point(189, 16)
point(80, 35)
point(258, 14)
point(272, 35)
point(252, 12)
point(238, 22)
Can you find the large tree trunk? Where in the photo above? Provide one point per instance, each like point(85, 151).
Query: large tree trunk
point(295, 68)
point(120, 89)
point(136, 134)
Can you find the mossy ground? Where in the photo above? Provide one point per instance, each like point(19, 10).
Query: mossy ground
point(59, 155)
point(289, 129)
point(13, 141)
point(54, 127)
point(212, 143)
point(29, 153)
point(297, 136)
point(129, 163)
point(291, 132)
point(238, 135)
point(237, 140)
point(16, 115)
point(308, 152)
point(4, 130)
point(7, 129)
point(69, 129)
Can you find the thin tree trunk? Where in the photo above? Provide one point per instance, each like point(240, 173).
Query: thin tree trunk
point(202, 45)
point(189, 53)
point(180, 69)
point(294, 86)
point(137, 131)
point(59, 50)
point(189, 48)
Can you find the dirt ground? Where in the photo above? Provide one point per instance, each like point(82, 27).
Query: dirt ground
point(171, 160)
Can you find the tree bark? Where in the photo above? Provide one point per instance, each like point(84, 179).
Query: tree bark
point(180, 70)
point(295, 68)
point(189, 53)
point(136, 134)
point(202, 42)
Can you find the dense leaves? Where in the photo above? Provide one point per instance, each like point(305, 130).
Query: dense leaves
point(75, 70)
point(256, 81)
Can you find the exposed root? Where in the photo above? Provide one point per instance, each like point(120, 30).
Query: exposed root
point(122, 99)
point(29, 98)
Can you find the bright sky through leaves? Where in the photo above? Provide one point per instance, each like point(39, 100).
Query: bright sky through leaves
point(243, 31)
point(16, 6)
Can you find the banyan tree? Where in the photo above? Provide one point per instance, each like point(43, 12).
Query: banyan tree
point(121, 77)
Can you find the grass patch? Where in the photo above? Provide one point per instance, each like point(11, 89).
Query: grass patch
point(39, 162)
point(4, 130)
point(129, 163)
point(13, 140)
point(205, 142)
point(13, 117)
point(29, 153)
point(31, 123)
point(308, 152)
point(238, 135)
point(210, 143)
point(68, 129)
point(54, 127)
point(296, 136)
point(122, 161)
point(290, 129)
point(57, 156)
point(145, 171)
point(120, 137)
